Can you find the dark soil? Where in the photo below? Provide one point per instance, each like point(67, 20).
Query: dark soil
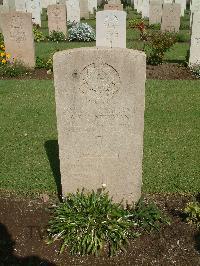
point(163, 72)
point(23, 232)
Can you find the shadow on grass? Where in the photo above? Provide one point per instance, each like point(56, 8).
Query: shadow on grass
point(7, 257)
point(175, 61)
point(52, 151)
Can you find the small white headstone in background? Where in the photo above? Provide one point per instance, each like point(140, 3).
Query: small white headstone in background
point(155, 12)
point(92, 6)
point(195, 40)
point(20, 5)
point(73, 10)
point(34, 7)
point(57, 18)
point(84, 9)
point(111, 28)
point(145, 9)
point(171, 17)
point(18, 37)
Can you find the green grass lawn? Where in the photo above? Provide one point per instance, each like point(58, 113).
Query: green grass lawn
point(29, 137)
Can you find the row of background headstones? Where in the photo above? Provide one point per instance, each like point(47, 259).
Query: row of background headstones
point(110, 28)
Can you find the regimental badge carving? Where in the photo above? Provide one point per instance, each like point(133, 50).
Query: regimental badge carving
point(99, 82)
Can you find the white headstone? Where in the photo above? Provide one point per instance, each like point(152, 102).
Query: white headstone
point(34, 7)
point(20, 5)
point(194, 7)
point(100, 98)
point(92, 5)
point(46, 3)
point(139, 6)
point(84, 10)
point(73, 10)
point(155, 12)
point(145, 9)
point(183, 4)
point(111, 28)
point(195, 40)
point(171, 17)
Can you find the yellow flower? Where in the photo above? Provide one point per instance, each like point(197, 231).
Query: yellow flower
point(2, 46)
point(3, 61)
point(3, 54)
point(8, 56)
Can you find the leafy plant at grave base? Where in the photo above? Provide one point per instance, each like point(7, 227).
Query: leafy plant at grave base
point(195, 69)
point(88, 223)
point(182, 37)
point(43, 63)
point(81, 32)
point(3, 55)
point(57, 36)
point(128, 9)
point(13, 69)
point(185, 26)
point(38, 35)
point(157, 44)
point(192, 212)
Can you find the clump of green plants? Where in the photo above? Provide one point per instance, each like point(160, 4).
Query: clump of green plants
point(192, 212)
point(57, 36)
point(195, 69)
point(88, 223)
point(182, 37)
point(157, 44)
point(13, 69)
point(81, 32)
point(38, 35)
point(44, 63)
point(156, 26)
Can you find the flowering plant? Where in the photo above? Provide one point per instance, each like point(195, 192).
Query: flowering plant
point(3, 55)
point(81, 32)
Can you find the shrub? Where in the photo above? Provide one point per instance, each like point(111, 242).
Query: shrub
point(87, 223)
point(157, 44)
point(3, 55)
point(15, 69)
point(182, 37)
point(155, 26)
point(43, 63)
point(192, 212)
point(38, 35)
point(57, 36)
point(81, 32)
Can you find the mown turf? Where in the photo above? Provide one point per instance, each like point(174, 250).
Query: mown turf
point(29, 138)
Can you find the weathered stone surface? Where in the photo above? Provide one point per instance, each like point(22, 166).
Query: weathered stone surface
point(34, 7)
point(183, 6)
point(20, 5)
point(92, 6)
point(73, 10)
point(114, 1)
point(113, 7)
point(84, 9)
point(57, 18)
point(100, 95)
point(111, 28)
point(195, 40)
point(3, 9)
point(18, 37)
point(194, 7)
point(155, 12)
point(171, 17)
